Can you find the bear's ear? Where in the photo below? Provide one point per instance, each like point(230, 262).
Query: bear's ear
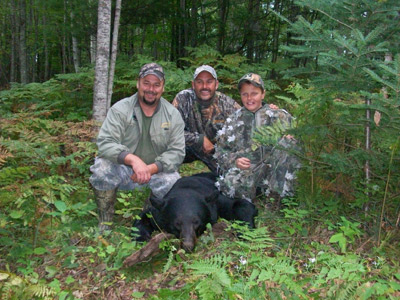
point(157, 203)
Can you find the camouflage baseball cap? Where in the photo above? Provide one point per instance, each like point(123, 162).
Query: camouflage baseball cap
point(152, 69)
point(252, 78)
point(205, 68)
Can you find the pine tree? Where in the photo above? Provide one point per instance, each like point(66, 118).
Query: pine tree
point(342, 56)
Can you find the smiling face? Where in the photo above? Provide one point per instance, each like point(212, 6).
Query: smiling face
point(205, 86)
point(252, 96)
point(150, 89)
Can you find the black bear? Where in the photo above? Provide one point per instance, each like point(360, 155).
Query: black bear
point(186, 209)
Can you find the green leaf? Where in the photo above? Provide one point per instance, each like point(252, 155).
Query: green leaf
point(16, 214)
point(110, 249)
point(63, 295)
point(61, 206)
point(3, 276)
point(69, 280)
point(137, 294)
point(40, 251)
point(51, 270)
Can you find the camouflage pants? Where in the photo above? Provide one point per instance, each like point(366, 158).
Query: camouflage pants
point(277, 175)
point(108, 176)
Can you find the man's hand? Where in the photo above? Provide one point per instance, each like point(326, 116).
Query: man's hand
point(243, 163)
point(141, 171)
point(273, 106)
point(208, 147)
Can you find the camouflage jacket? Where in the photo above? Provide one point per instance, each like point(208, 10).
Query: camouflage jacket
point(203, 121)
point(236, 137)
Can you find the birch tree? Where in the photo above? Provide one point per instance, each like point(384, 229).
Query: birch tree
point(105, 66)
point(102, 61)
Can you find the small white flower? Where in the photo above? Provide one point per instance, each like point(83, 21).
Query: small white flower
point(230, 127)
point(232, 138)
point(265, 181)
point(231, 192)
point(221, 132)
point(228, 120)
point(243, 260)
point(289, 176)
point(240, 123)
point(312, 260)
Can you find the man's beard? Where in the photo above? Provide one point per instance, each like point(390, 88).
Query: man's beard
point(150, 103)
point(205, 102)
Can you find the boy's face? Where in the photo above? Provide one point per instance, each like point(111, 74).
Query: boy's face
point(252, 96)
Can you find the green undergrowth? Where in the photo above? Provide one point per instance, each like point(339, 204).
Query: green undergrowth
point(320, 244)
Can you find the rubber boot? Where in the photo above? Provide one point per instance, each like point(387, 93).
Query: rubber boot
point(105, 203)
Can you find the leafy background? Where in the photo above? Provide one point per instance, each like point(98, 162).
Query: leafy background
point(338, 238)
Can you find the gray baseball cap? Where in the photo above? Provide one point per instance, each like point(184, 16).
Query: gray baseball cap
point(205, 68)
point(252, 78)
point(152, 69)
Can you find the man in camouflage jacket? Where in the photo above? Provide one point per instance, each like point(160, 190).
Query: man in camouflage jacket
point(204, 111)
point(245, 165)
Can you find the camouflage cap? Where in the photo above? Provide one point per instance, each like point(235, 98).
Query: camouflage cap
point(152, 69)
point(252, 78)
point(205, 68)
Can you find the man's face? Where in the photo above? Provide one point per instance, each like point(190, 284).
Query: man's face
point(150, 89)
point(251, 96)
point(205, 86)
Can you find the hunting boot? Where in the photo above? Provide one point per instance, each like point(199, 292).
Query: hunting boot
point(105, 204)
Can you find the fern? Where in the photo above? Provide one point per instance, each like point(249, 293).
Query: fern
point(12, 175)
point(251, 240)
point(21, 288)
point(4, 154)
point(41, 290)
point(347, 291)
point(269, 135)
point(213, 269)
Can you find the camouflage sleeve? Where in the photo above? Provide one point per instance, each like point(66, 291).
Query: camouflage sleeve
point(228, 105)
point(183, 104)
point(228, 147)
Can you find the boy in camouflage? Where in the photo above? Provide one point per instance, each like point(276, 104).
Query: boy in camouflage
point(245, 166)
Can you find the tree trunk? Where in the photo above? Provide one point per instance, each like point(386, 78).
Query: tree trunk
point(223, 14)
point(75, 48)
point(193, 24)
point(114, 50)
point(22, 42)
point(14, 29)
point(102, 61)
point(250, 31)
point(93, 43)
point(46, 53)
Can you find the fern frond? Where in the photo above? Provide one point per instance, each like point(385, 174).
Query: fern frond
point(12, 175)
point(348, 291)
point(41, 290)
point(4, 154)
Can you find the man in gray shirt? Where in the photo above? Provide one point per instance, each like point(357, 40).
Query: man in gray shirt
point(141, 142)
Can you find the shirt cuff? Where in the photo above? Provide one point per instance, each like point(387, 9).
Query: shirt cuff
point(200, 142)
point(121, 157)
point(159, 166)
